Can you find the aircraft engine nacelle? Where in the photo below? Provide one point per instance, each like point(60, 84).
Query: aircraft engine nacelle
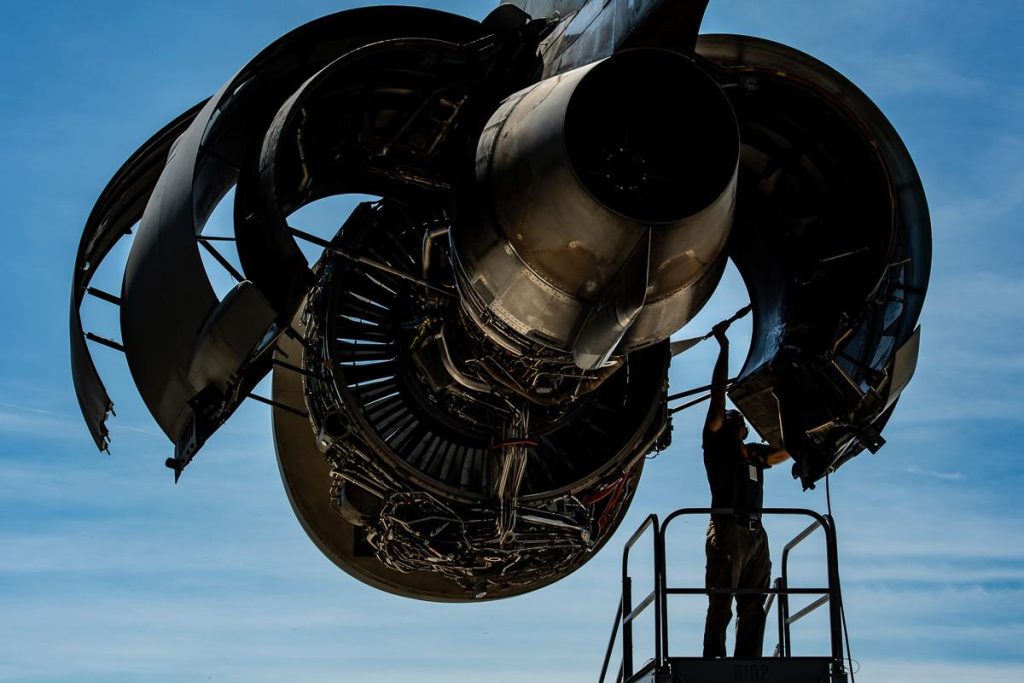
point(470, 373)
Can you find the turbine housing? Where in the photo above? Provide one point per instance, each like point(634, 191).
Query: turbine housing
point(608, 196)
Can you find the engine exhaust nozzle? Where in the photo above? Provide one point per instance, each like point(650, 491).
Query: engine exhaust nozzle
point(607, 199)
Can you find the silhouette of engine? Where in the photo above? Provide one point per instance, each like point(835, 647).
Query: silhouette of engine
point(468, 380)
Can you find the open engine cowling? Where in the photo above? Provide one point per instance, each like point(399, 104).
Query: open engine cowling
point(469, 377)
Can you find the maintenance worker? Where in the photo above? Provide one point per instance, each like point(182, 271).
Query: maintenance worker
point(737, 546)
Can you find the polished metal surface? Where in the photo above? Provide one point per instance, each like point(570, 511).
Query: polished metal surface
point(611, 183)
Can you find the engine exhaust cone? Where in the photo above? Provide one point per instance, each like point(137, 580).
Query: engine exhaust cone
point(609, 194)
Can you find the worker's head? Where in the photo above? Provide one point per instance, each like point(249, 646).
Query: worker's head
point(735, 424)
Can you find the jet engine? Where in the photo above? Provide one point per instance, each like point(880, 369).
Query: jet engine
point(468, 379)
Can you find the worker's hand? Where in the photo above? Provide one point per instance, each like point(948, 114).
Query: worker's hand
point(718, 332)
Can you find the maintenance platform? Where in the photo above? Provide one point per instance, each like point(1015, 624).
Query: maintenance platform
point(781, 667)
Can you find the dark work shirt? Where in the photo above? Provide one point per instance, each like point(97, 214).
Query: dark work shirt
point(735, 472)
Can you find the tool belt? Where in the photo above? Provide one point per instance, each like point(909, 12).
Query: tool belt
point(751, 522)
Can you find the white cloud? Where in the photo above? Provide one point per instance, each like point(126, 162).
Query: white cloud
point(946, 476)
point(20, 421)
point(28, 421)
point(939, 672)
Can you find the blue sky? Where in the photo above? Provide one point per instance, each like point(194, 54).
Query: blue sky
point(110, 573)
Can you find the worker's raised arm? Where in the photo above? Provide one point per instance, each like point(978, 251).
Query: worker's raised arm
point(719, 381)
